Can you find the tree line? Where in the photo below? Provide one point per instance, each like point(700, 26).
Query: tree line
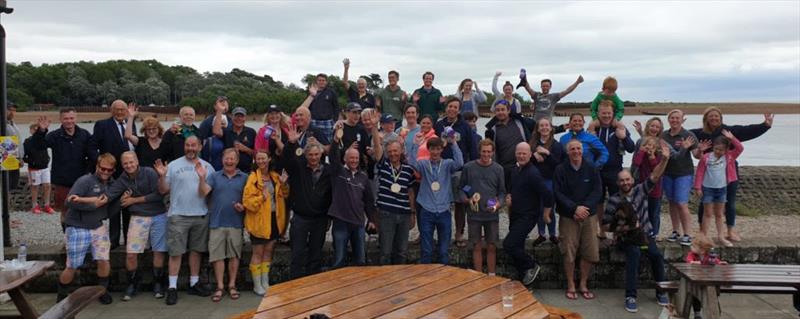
point(148, 82)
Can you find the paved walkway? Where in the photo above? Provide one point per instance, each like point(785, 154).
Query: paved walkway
point(608, 304)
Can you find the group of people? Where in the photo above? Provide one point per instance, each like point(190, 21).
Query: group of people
point(385, 163)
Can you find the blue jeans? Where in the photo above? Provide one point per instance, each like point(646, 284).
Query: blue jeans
point(442, 224)
point(344, 232)
point(633, 255)
point(654, 212)
point(551, 227)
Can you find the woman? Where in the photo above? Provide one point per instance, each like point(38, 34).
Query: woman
point(676, 184)
point(469, 99)
point(265, 218)
point(645, 160)
point(712, 128)
point(149, 150)
point(426, 132)
point(547, 154)
point(507, 94)
point(270, 136)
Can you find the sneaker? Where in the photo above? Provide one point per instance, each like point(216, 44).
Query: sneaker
point(554, 240)
point(49, 210)
point(686, 240)
point(630, 304)
point(198, 290)
point(158, 290)
point(662, 299)
point(36, 210)
point(673, 238)
point(172, 296)
point(539, 240)
point(530, 274)
point(106, 299)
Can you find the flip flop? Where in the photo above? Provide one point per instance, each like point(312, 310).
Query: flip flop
point(588, 295)
point(217, 296)
point(571, 295)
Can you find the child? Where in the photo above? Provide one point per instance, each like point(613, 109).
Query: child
point(644, 161)
point(608, 93)
point(38, 173)
point(714, 172)
point(700, 253)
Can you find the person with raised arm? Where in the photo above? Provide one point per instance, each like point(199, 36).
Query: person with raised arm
point(359, 94)
point(544, 102)
point(507, 94)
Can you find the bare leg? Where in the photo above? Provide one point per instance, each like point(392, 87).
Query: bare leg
point(131, 261)
point(586, 271)
point(219, 272)
point(67, 276)
point(569, 270)
point(674, 216)
point(233, 268)
point(46, 191)
point(477, 257)
point(35, 195)
point(103, 268)
point(194, 263)
point(158, 259)
point(174, 265)
point(719, 218)
point(491, 258)
point(707, 207)
point(258, 252)
point(266, 255)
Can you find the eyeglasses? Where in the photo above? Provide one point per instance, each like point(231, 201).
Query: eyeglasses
point(104, 169)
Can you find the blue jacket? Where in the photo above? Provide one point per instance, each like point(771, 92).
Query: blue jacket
point(529, 194)
point(107, 139)
point(206, 131)
point(72, 153)
point(593, 149)
point(464, 138)
point(616, 148)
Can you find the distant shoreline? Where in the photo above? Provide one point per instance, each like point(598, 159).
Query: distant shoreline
point(640, 109)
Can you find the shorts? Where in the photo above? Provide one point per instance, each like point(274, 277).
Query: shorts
point(39, 176)
point(677, 188)
point(610, 186)
point(80, 240)
point(455, 180)
point(183, 231)
point(489, 230)
point(224, 242)
point(579, 238)
point(147, 231)
point(715, 195)
point(59, 199)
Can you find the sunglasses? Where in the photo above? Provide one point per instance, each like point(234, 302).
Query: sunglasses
point(106, 170)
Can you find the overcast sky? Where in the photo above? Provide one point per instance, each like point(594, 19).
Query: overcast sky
point(675, 51)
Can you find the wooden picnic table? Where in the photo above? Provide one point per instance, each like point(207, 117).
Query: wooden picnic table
point(402, 291)
point(11, 281)
point(703, 282)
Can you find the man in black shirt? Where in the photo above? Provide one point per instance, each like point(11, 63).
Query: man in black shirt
point(242, 138)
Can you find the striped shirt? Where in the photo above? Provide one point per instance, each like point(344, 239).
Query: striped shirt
point(387, 175)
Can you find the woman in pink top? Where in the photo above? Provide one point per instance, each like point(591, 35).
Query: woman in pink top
point(426, 132)
point(275, 125)
point(714, 172)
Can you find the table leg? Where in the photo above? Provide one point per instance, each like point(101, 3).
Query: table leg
point(710, 302)
point(684, 303)
point(26, 310)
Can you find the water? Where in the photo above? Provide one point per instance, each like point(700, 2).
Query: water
point(780, 146)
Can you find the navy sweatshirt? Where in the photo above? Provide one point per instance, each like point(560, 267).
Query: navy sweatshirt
point(575, 188)
point(528, 191)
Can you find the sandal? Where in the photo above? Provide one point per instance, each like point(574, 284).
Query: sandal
point(233, 292)
point(571, 295)
point(217, 296)
point(588, 295)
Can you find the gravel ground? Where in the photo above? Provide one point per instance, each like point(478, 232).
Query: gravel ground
point(44, 229)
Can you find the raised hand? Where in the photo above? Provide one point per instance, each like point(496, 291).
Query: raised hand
point(419, 138)
point(291, 134)
point(160, 168)
point(580, 79)
point(312, 90)
point(415, 97)
point(346, 62)
point(498, 73)
point(132, 110)
point(665, 150)
point(539, 158)
point(704, 145)
point(687, 142)
point(201, 170)
point(43, 122)
point(768, 117)
point(284, 177)
point(638, 126)
point(442, 99)
point(728, 134)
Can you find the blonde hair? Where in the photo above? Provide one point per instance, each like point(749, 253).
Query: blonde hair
point(647, 126)
point(107, 158)
point(702, 244)
point(708, 110)
point(151, 122)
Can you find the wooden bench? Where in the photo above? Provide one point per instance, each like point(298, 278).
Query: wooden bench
point(671, 287)
point(74, 303)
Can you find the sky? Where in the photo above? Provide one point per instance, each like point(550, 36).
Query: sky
point(680, 51)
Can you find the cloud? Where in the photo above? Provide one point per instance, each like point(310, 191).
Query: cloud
point(718, 45)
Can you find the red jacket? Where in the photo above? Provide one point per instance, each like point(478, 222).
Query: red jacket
point(730, 165)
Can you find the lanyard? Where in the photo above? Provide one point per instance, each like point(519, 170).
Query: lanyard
point(438, 169)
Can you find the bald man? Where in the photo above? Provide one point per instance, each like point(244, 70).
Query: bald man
point(359, 94)
point(308, 133)
point(182, 128)
point(353, 203)
point(109, 137)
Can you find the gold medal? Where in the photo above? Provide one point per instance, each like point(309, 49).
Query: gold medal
point(339, 133)
point(298, 152)
point(435, 186)
point(476, 197)
point(395, 188)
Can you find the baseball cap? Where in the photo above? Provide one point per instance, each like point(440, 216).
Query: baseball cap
point(353, 106)
point(273, 108)
point(239, 110)
point(386, 118)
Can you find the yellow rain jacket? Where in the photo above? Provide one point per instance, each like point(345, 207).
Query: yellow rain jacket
point(258, 208)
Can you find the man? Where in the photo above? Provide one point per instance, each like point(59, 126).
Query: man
point(411, 129)
point(324, 107)
point(213, 130)
point(636, 196)
point(360, 94)
point(392, 99)
point(528, 197)
point(353, 203)
point(483, 189)
point(309, 133)
point(428, 98)
point(593, 150)
point(397, 215)
point(617, 140)
point(577, 186)
point(85, 229)
point(70, 147)
point(226, 220)
point(137, 190)
point(455, 125)
point(13, 130)
point(544, 103)
point(109, 137)
point(242, 139)
point(175, 137)
point(310, 197)
point(188, 222)
point(435, 196)
point(353, 130)
point(508, 131)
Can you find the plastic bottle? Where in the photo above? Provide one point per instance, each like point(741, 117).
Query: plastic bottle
point(22, 253)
